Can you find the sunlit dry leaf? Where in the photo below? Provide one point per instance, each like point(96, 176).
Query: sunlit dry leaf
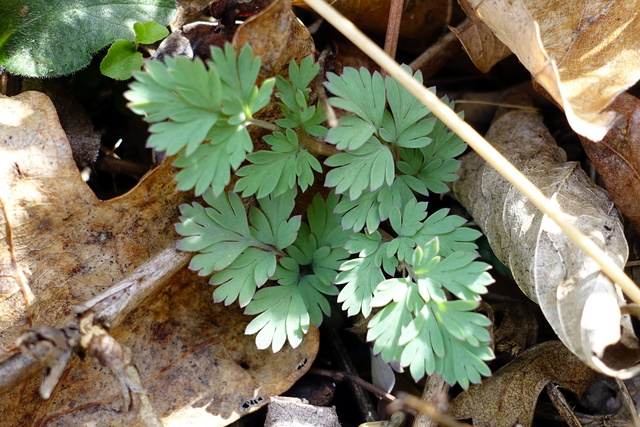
point(580, 302)
point(509, 397)
point(60, 246)
point(583, 53)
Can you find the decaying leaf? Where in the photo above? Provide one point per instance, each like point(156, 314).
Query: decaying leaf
point(583, 53)
point(509, 397)
point(580, 302)
point(617, 157)
point(60, 246)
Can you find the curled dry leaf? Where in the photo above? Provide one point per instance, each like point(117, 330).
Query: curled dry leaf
point(484, 49)
point(60, 246)
point(580, 302)
point(583, 53)
point(509, 397)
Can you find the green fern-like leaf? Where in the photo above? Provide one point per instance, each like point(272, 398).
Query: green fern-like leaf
point(360, 93)
point(361, 277)
point(406, 110)
point(202, 113)
point(308, 274)
point(282, 316)
point(209, 165)
point(285, 311)
point(396, 297)
point(406, 125)
point(284, 167)
point(242, 251)
point(452, 235)
point(193, 105)
point(419, 326)
point(367, 168)
point(294, 95)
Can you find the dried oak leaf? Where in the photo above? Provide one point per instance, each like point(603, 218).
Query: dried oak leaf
point(580, 302)
point(509, 397)
point(61, 246)
point(583, 53)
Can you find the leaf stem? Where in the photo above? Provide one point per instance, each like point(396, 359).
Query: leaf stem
point(315, 146)
point(264, 124)
point(266, 247)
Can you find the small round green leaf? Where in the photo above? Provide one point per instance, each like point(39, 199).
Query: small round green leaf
point(121, 60)
point(149, 32)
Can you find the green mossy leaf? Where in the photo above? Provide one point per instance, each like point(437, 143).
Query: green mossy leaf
point(48, 38)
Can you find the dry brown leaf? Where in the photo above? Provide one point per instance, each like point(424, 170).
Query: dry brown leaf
point(58, 241)
point(583, 53)
point(580, 302)
point(617, 157)
point(276, 36)
point(509, 397)
point(484, 49)
point(60, 246)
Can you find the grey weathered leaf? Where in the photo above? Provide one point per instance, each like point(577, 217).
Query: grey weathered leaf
point(580, 302)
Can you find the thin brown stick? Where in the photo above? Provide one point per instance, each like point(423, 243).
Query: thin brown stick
point(438, 54)
point(109, 308)
point(563, 407)
point(424, 407)
point(628, 402)
point(393, 27)
point(340, 376)
point(367, 411)
point(436, 392)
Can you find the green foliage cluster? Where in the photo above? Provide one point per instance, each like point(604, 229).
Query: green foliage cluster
point(123, 57)
point(367, 241)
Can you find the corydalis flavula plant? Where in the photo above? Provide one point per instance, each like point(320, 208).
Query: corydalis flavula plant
point(370, 242)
